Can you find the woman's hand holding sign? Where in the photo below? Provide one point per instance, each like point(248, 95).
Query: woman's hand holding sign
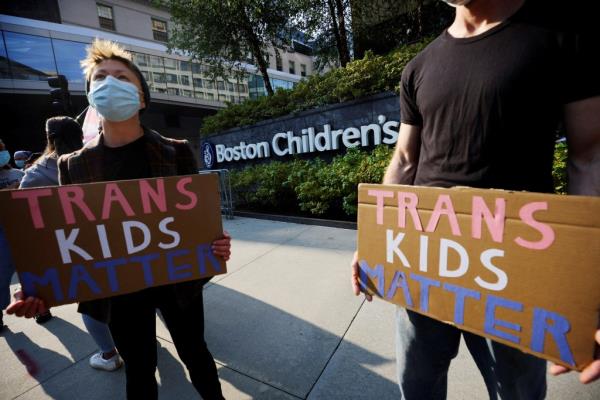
point(27, 307)
point(222, 247)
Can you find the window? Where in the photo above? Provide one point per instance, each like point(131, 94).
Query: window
point(222, 98)
point(170, 63)
point(210, 96)
point(209, 84)
point(156, 61)
point(221, 85)
point(105, 16)
point(184, 66)
point(196, 68)
point(185, 80)
point(199, 95)
point(186, 93)
point(197, 82)
point(158, 77)
point(67, 55)
point(303, 69)
point(30, 57)
point(292, 67)
point(159, 30)
point(173, 91)
point(278, 61)
point(172, 78)
point(230, 86)
point(141, 60)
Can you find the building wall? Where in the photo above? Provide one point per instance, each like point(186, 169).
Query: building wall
point(132, 19)
point(45, 10)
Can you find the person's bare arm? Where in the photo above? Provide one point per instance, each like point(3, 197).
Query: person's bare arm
point(582, 123)
point(403, 165)
point(401, 170)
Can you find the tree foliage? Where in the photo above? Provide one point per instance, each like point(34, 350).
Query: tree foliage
point(329, 23)
point(372, 74)
point(222, 33)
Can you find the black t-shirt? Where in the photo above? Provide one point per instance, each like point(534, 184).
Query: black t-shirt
point(127, 162)
point(489, 106)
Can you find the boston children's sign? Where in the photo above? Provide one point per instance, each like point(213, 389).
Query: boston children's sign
point(81, 242)
point(520, 268)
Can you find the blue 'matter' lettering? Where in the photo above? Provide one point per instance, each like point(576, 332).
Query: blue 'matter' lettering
point(399, 281)
point(176, 271)
point(79, 274)
point(424, 284)
point(29, 282)
point(376, 273)
point(558, 329)
point(459, 304)
point(111, 272)
point(204, 252)
point(491, 322)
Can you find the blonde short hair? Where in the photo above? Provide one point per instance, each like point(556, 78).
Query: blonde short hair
point(101, 50)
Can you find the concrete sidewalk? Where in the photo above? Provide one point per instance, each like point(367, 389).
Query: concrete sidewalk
point(282, 324)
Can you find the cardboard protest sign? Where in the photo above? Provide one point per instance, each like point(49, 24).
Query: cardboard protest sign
point(81, 242)
point(520, 268)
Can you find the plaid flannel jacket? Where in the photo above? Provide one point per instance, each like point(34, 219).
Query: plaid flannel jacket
point(167, 157)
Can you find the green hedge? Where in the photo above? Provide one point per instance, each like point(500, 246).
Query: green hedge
point(320, 189)
point(370, 75)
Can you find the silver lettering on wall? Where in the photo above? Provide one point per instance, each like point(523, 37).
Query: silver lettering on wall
point(309, 141)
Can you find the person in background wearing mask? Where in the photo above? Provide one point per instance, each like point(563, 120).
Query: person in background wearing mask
point(64, 136)
point(9, 179)
point(125, 149)
point(9, 176)
point(20, 158)
point(480, 106)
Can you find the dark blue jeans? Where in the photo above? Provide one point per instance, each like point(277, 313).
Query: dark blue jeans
point(133, 327)
point(7, 269)
point(425, 347)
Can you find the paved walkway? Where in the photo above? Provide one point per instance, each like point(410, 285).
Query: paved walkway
point(282, 324)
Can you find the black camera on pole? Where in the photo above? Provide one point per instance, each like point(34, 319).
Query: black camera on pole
point(59, 95)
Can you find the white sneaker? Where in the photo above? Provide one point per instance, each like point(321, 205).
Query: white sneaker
point(113, 363)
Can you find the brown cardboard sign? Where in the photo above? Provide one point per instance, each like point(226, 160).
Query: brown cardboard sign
point(81, 242)
point(520, 268)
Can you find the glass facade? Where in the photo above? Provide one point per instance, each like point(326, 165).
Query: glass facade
point(67, 55)
point(31, 57)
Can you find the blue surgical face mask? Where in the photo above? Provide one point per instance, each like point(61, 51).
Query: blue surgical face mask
point(113, 99)
point(20, 163)
point(4, 158)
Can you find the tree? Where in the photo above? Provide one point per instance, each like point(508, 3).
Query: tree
point(328, 21)
point(222, 33)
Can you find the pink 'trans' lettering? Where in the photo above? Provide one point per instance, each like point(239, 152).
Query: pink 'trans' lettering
point(191, 195)
point(408, 201)
point(380, 195)
point(526, 215)
point(32, 197)
point(443, 206)
point(73, 195)
point(158, 196)
point(495, 222)
point(113, 194)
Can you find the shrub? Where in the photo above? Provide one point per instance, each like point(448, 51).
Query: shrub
point(310, 186)
point(360, 78)
point(559, 168)
point(322, 189)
